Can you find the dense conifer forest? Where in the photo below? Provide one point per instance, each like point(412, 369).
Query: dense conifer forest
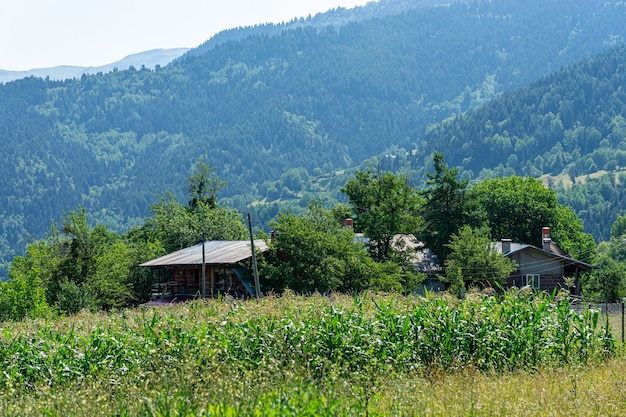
point(286, 115)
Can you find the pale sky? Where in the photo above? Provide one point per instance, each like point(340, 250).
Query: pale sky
point(48, 33)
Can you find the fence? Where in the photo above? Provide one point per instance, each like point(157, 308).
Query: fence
point(614, 312)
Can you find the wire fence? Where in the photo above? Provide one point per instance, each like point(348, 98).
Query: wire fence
point(613, 312)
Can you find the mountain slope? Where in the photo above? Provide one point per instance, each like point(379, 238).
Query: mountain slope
point(564, 128)
point(268, 111)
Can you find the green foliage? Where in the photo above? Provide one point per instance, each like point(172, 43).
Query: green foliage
point(319, 98)
point(23, 296)
point(516, 208)
point(71, 298)
point(607, 283)
point(76, 268)
point(444, 210)
point(309, 341)
point(110, 282)
point(474, 260)
point(571, 237)
point(384, 205)
point(177, 226)
point(316, 253)
point(618, 229)
point(203, 185)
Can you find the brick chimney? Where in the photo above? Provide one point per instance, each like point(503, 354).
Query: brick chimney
point(545, 238)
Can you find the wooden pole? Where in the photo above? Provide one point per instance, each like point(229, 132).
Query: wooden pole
point(257, 284)
point(203, 270)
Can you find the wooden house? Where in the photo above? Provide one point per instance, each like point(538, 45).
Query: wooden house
point(544, 268)
point(206, 269)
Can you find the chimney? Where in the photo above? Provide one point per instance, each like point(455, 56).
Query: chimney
point(506, 246)
point(349, 223)
point(545, 238)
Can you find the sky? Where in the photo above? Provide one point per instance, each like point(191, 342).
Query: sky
point(48, 33)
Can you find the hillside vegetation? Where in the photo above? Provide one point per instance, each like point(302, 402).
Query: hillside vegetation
point(272, 110)
point(568, 128)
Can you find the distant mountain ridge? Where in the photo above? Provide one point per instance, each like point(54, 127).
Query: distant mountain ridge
point(150, 59)
point(336, 18)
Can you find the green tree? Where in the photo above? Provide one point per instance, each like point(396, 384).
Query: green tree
point(444, 210)
point(177, 226)
point(316, 253)
point(607, 282)
point(619, 227)
point(473, 260)
point(111, 284)
point(77, 248)
point(384, 205)
point(203, 185)
point(79, 266)
point(570, 235)
point(23, 295)
point(518, 208)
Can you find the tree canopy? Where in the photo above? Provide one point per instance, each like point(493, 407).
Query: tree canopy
point(315, 252)
point(445, 209)
point(322, 99)
point(384, 205)
point(474, 261)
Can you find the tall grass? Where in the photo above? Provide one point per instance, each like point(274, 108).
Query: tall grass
point(286, 355)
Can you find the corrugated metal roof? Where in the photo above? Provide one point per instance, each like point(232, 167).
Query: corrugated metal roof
point(217, 252)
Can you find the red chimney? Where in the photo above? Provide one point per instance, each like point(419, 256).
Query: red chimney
point(545, 238)
point(349, 223)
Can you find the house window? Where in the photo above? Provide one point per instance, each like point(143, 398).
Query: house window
point(533, 281)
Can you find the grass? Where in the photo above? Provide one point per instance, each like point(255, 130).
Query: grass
point(373, 355)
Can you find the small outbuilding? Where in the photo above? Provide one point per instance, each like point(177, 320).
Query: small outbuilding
point(206, 269)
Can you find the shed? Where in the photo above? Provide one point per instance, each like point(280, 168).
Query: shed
point(227, 266)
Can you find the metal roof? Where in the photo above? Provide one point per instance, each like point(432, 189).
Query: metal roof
point(519, 247)
point(216, 252)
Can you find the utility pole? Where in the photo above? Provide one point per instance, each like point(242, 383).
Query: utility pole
point(203, 269)
point(257, 284)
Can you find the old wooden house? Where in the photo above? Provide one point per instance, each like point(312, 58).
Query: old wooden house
point(543, 268)
point(206, 269)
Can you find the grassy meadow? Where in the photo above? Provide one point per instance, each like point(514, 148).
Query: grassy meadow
point(375, 355)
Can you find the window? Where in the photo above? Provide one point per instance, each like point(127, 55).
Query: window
point(533, 281)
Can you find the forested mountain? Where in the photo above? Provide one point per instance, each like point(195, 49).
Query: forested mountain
point(568, 128)
point(270, 110)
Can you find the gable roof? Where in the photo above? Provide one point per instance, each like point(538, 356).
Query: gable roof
point(216, 252)
point(555, 252)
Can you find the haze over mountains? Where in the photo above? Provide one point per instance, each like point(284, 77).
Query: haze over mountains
point(286, 112)
point(149, 59)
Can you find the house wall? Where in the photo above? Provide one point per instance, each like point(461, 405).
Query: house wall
point(547, 282)
point(531, 262)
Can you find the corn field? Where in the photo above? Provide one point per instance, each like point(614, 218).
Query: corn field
point(286, 355)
